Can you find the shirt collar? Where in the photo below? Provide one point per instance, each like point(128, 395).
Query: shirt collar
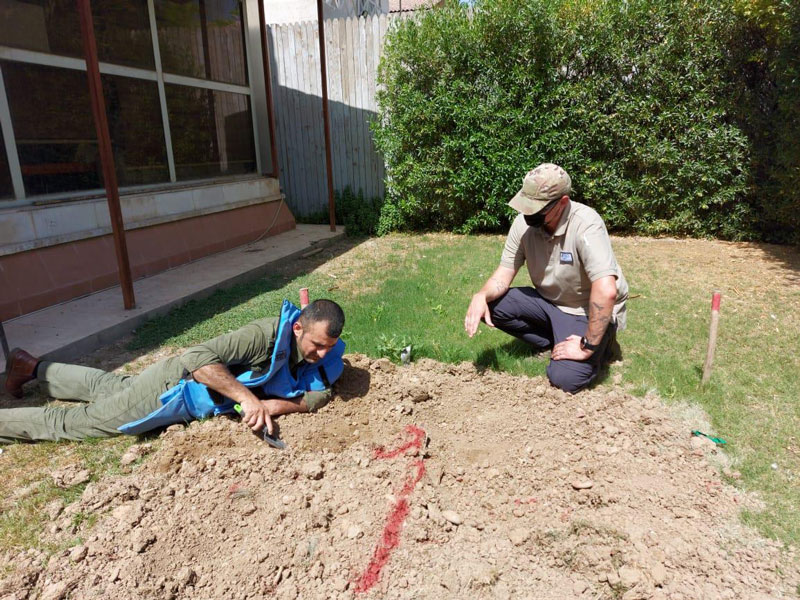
point(295, 356)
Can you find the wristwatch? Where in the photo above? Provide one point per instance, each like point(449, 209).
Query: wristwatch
point(585, 345)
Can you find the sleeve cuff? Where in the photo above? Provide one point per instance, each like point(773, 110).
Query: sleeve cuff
point(508, 264)
point(316, 400)
point(198, 357)
point(595, 276)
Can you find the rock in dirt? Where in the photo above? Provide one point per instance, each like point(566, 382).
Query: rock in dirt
point(78, 553)
point(582, 484)
point(452, 516)
point(354, 532)
point(134, 453)
point(54, 508)
point(57, 591)
point(185, 576)
point(70, 476)
point(658, 574)
point(383, 364)
point(419, 395)
point(629, 576)
point(141, 540)
point(313, 469)
point(579, 587)
point(519, 536)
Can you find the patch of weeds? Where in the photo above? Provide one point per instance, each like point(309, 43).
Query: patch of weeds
point(391, 346)
point(618, 590)
point(551, 536)
point(24, 518)
point(83, 519)
point(582, 528)
point(569, 558)
point(377, 312)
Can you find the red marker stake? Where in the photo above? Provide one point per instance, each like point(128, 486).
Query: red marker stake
point(712, 336)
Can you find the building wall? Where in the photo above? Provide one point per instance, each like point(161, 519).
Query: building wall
point(185, 101)
point(43, 276)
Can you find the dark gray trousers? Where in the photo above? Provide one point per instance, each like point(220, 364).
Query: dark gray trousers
point(523, 313)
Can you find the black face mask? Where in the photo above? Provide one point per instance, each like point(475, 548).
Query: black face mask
point(537, 219)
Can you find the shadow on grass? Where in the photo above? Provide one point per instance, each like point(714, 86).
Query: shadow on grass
point(787, 257)
point(489, 358)
point(155, 332)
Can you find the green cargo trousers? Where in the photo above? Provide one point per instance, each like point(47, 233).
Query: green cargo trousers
point(112, 400)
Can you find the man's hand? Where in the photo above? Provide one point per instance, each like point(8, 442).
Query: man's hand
point(570, 349)
point(219, 378)
point(478, 309)
point(256, 415)
point(494, 288)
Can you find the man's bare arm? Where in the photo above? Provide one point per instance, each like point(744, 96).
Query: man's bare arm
point(220, 379)
point(281, 406)
point(494, 288)
point(601, 307)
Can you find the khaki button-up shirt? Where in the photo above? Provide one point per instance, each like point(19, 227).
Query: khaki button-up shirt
point(563, 266)
point(249, 349)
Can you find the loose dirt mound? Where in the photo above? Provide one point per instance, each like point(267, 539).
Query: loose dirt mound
point(527, 493)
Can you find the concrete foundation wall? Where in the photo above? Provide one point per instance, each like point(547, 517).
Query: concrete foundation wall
point(40, 277)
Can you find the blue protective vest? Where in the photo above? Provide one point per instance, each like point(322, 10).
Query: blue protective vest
point(189, 400)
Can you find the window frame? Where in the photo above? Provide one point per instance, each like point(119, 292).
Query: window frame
point(255, 80)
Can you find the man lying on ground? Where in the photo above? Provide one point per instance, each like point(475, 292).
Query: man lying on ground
point(579, 301)
point(284, 365)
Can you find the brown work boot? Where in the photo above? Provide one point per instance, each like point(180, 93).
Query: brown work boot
point(19, 370)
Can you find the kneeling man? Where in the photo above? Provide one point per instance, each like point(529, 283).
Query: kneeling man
point(578, 303)
point(270, 367)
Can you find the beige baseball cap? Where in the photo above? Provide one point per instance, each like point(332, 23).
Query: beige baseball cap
point(545, 183)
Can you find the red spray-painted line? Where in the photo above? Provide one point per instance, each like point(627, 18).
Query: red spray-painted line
point(416, 442)
point(390, 538)
point(391, 533)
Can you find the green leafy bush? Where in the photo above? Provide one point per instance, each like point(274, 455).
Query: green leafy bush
point(765, 75)
point(628, 96)
point(358, 214)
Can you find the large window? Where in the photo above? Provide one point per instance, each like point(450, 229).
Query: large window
point(202, 39)
point(176, 88)
point(6, 188)
point(213, 132)
point(122, 29)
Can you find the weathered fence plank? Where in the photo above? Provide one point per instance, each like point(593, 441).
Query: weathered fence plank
point(353, 48)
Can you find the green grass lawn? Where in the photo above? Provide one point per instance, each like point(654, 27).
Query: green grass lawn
point(401, 290)
point(415, 289)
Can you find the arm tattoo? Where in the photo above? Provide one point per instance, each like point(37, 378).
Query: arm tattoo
point(499, 286)
point(599, 318)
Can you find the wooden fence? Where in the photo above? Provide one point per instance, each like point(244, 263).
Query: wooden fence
point(353, 48)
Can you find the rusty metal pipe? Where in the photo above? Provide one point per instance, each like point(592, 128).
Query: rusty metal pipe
point(326, 117)
point(106, 154)
point(273, 142)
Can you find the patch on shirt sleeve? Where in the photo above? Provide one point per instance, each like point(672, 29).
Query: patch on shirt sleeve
point(566, 258)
